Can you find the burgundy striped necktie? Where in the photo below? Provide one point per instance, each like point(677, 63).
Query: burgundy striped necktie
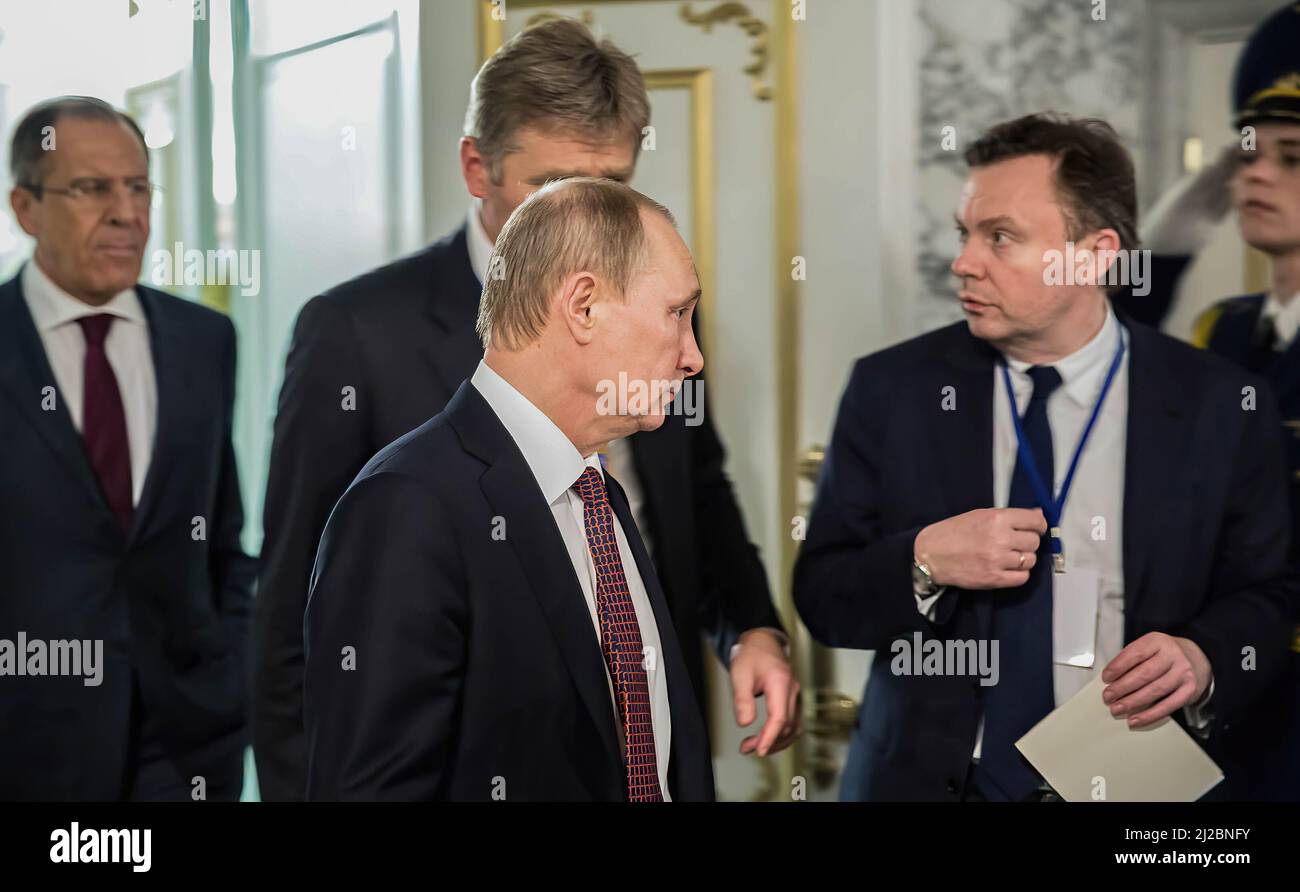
point(620, 640)
point(103, 420)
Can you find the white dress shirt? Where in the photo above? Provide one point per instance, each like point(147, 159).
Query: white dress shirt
point(55, 313)
point(1286, 318)
point(1096, 496)
point(557, 465)
point(1097, 493)
point(476, 239)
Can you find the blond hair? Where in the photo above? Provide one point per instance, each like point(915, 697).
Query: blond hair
point(573, 225)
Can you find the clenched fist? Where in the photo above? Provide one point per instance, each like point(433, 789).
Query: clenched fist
point(983, 549)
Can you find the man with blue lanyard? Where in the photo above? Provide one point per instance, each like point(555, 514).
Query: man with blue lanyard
point(1097, 499)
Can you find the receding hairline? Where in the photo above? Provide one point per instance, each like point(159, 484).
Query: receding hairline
point(49, 113)
point(572, 227)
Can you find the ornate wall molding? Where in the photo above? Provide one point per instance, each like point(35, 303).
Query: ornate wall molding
point(754, 27)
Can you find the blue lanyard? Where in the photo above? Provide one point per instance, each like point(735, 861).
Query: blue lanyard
point(1053, 508)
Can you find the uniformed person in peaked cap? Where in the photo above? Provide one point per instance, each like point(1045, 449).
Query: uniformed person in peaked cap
point(1262, 752)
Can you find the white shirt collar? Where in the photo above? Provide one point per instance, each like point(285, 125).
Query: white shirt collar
point(551, 456)
point(1286, 318)
point(52, 307)
point(480, 246)
point(1081, 372)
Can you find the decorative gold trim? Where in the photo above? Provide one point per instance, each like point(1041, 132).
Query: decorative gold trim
point(1285, 87)
point(491, 30)
point(1203, 327)
point(787, 364)
point(754, 27)
point(810, 465)
point(1255, 116)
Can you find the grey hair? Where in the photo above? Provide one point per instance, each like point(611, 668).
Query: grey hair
point(27, 152)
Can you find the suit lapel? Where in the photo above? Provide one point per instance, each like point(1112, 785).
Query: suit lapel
point(1284, 377)
point(511, 490)
point(455, 349)
point(25, 372)
point(1155, 432)
point(656, 458)
point(964, 445)
point(175, 391)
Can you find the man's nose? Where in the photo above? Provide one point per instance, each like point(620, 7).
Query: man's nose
point(692, 359)
point(964, 266)
point(125, 210)
point(1262, 170)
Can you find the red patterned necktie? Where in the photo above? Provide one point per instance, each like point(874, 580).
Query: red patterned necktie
point(620, 640)
point(103, 420)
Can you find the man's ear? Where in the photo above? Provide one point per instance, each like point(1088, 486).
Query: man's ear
point(1104, 245)
point(23, 203)
point(473, 167)
point(577, 297)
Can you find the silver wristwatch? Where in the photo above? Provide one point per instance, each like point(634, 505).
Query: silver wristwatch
point(923, 583)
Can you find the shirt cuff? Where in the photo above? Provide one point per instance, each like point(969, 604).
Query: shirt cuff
point(925, 603)
point(780, 636)
point(1199, 715)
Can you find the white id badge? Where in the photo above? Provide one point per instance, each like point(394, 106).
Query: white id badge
point(1076, 597)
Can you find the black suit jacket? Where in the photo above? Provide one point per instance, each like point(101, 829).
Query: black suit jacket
point(403, 338)
point(1205, 535)
point(1261, 753)
point(476, 661)
point(171, 609)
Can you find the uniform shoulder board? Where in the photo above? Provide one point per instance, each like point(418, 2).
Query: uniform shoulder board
point(1203, 327)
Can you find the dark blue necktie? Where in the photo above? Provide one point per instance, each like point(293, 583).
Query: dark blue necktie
point(1022, 626)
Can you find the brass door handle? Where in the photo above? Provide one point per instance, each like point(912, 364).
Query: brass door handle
point(833, 714)
point(810, 463)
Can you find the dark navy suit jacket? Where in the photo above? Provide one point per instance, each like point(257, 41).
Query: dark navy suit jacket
point(403, 337)
point(1261, 753)
point(1206, 532)
point(475, 656)
point(170, 609)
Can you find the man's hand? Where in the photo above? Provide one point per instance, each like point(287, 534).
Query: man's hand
point(759, 667)
point(1153, 677)
point(983, 549)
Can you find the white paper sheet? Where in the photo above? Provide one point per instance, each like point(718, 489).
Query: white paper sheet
point(1086, 754)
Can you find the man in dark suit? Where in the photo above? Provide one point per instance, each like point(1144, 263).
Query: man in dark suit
point(551, 103)
point(121, 515)
point(1260, 178)
point(484, 621)
point(953, 453)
